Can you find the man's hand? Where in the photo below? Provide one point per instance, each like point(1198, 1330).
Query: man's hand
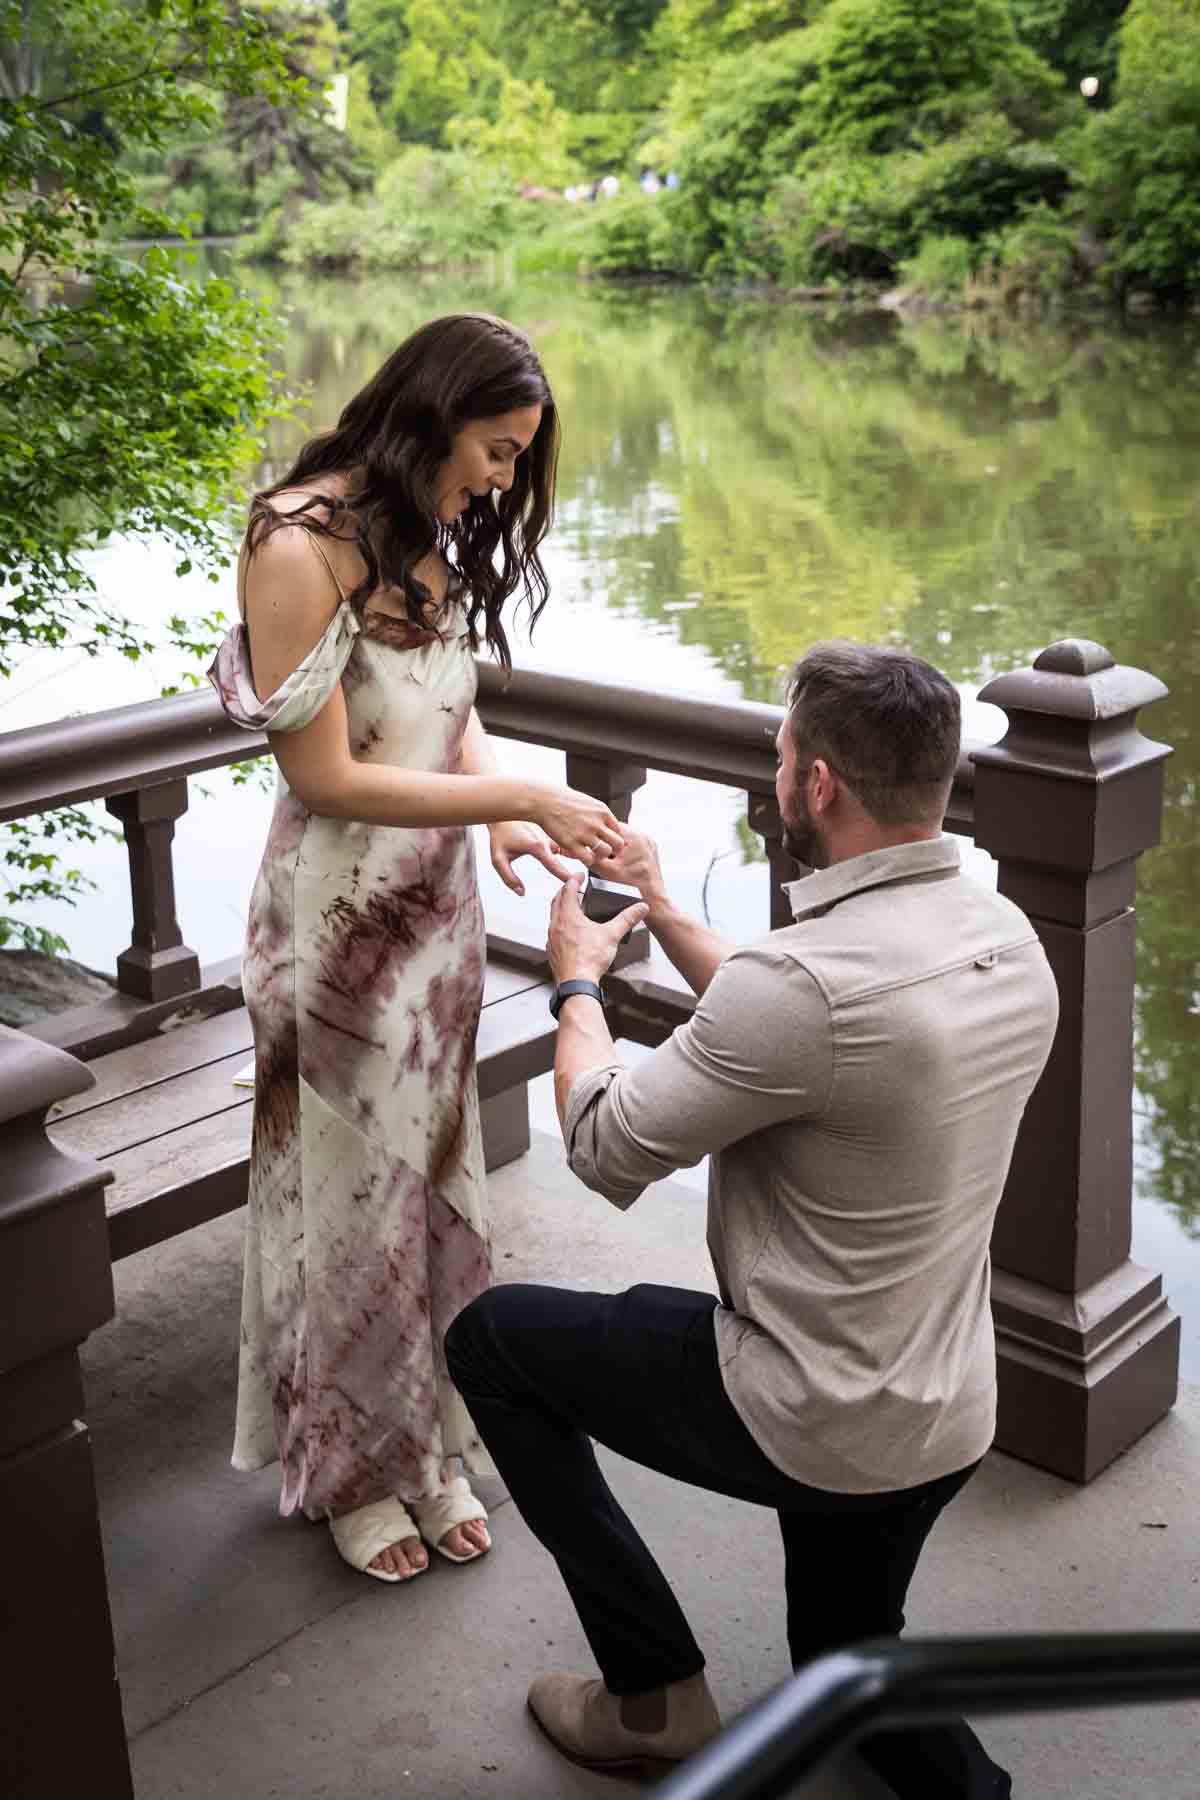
point(637, 865)
point(516, 837)
point(578, 948)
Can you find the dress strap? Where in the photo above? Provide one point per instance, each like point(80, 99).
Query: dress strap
point(315, 541)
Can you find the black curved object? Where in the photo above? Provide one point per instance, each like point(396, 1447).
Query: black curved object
point(839, 1697)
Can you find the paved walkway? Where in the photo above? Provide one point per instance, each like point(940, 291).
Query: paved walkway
point(254, 1663)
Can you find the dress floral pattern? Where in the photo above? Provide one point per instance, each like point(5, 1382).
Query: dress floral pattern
point(363, 973)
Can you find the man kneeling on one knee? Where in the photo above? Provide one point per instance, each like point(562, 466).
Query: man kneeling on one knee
point(857, 1079)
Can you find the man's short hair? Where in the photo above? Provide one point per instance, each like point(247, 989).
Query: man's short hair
point(888, 723)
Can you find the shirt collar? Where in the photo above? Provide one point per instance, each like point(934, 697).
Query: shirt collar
point(904, 862)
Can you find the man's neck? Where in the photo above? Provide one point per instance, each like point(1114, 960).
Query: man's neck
point(857, 837)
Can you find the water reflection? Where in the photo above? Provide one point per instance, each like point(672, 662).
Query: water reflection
point(746, 478)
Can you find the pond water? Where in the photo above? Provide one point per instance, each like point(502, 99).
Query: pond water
point(740, 478)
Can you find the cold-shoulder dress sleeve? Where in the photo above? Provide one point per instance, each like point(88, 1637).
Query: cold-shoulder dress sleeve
point(300, 697)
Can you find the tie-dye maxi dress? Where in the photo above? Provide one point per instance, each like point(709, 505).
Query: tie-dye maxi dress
point(363, 972)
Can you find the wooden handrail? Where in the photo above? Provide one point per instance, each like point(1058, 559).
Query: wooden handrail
point(125, 748)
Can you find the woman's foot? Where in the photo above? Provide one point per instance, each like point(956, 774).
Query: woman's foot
point(454, 1522)
point(381, 1540)
point(467, 1541)
point(403, 1560)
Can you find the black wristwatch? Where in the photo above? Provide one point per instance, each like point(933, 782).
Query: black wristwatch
point(565, 989)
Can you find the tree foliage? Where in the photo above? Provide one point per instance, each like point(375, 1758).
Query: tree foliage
point(1140, 161)
point(1077, 37)
point(884, 61)
point(128, 397)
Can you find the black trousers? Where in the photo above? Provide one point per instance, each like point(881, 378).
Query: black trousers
point(546, 1370)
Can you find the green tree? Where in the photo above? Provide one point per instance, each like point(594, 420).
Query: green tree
point(446, 67)
point(128, 398)
point(1078, 37)
point(265, 143)
point(378, 33)
point(1138, 163)
point(886, 61)
point(526, 142)
point(753, 130)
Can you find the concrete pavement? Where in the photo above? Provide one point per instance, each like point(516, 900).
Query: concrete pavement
point(254, 1663)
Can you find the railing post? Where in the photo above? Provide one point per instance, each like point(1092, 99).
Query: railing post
point(158, 964)
point(762, 816)
point(615, 783)
point(1088, 1347)
point(63, 1731)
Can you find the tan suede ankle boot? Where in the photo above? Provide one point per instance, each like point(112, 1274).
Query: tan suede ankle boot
point(624, 1731)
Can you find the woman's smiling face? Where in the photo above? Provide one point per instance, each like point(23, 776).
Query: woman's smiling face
point(483, 456)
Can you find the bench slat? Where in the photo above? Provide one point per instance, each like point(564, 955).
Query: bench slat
point(501, 983)
point(166, 1118)
point(159, 1058)
point(179, 1180)
point(150, 1112)
point(193, 1046)
point(516, 1041)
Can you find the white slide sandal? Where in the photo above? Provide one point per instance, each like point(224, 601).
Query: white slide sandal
point(437, 1517)
point(362, 1534)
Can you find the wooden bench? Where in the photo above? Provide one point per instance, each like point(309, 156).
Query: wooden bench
point(165, 1117)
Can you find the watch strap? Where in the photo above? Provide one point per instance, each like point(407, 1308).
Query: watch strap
point(565, 989)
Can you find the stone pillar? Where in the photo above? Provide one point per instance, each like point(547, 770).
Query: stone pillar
point(158, 964)
point(1088, 1347)
point(63, 1730)
point(615, 783)
point(762, 815)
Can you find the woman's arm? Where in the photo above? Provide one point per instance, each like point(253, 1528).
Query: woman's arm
point(478, 755)
point(509, 838)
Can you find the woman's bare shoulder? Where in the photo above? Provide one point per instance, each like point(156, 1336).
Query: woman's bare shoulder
point(290, 584)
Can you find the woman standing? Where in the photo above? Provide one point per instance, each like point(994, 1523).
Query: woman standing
point(367, 577)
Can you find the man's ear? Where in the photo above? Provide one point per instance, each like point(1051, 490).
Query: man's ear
point(823, 790)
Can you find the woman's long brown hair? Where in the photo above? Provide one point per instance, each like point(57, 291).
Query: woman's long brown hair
point(392, 438)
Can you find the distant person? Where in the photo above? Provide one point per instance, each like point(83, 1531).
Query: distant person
point(858, 1078)
point(649, 182)
point(366, 577)
point(610, 186)
point(671, 180)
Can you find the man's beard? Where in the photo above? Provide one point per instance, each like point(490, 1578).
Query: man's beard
point(802, 840)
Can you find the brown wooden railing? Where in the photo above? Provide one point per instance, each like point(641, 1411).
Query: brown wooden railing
point(1088, 1348)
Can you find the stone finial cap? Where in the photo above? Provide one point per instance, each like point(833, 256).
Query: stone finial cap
point(1075, 679)
point(34, 1075)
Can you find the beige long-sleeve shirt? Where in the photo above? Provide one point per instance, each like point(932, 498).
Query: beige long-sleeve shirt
point(857, 1078)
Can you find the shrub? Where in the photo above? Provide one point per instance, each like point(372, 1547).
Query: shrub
point(430, 208)
point(1036, 257)
point(837, 221)
point(857, 216)
point(629, 235)
point(941, 268)
point(974, 182)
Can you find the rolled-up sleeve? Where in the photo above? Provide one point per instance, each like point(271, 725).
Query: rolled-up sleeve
point(757, 1050)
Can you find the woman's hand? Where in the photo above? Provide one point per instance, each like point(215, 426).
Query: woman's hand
point(637, 865)
point(516, 837)
point(578, 826)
